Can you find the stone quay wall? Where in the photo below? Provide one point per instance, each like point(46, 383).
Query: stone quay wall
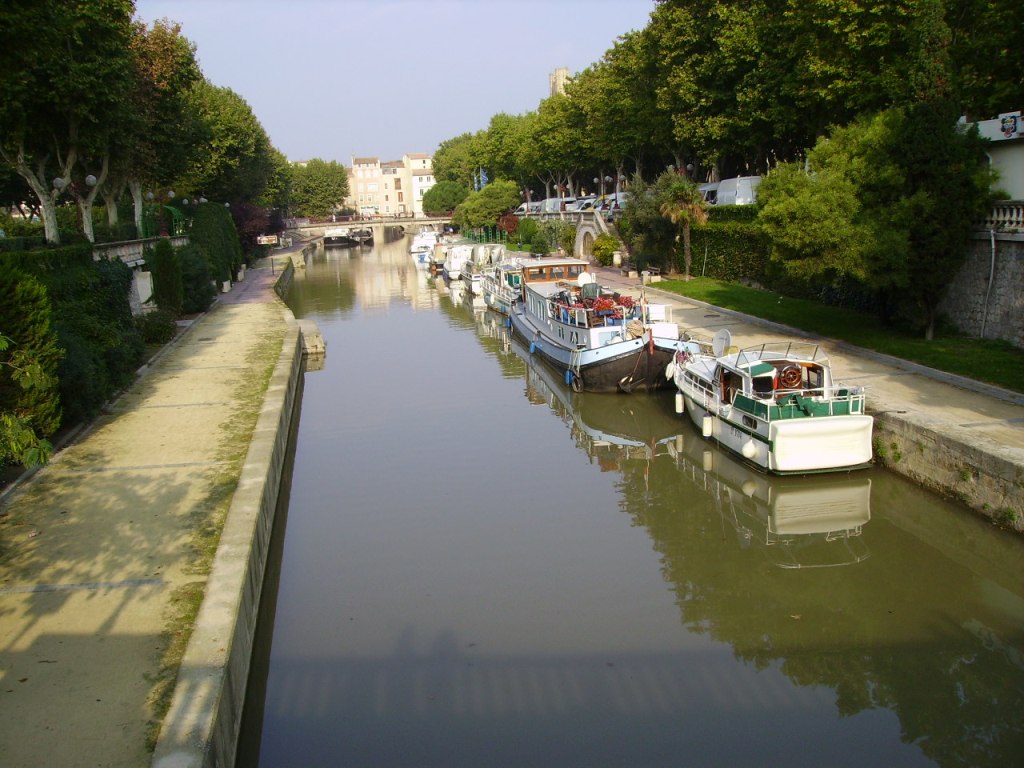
point(202, 728)
point(986, 300)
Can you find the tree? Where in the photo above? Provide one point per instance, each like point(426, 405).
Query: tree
point(681, 203)
point(318, 187)
point(891, 200)
point(459, 159)
point(71, 90)
point(444, 196)
point(236, 162)
point(165, 130)
point(484, 208)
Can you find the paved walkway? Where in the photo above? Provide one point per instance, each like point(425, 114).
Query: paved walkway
point(99, 548)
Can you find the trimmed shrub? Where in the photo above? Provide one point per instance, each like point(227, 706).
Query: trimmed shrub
point(156, 327)
point(197, 290)
point(95, 326)
point(731, 250)
point(604, 249)
point(214, 231)
point(163, 262)
point(26, 319)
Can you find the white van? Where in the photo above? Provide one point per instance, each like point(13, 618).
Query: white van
point(739, 191)
point(556, 204)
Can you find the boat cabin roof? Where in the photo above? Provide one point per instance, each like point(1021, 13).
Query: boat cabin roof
point(763, 359)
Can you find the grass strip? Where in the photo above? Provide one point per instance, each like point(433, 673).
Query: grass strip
point(989, 360)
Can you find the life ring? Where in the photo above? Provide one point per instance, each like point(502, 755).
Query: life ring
point(790, 377)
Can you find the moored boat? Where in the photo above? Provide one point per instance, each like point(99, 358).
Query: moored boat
point(599, 340)
point(422, 247)
point(362, 235)
point(502, 285)
point(341, 236)
point(775, 405)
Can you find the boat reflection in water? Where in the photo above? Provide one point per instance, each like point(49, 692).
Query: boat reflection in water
point(812, 521)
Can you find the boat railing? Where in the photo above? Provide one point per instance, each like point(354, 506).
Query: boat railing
point(825, 401)
point(785, 350)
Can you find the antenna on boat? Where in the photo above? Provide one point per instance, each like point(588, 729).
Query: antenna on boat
point(721, 342)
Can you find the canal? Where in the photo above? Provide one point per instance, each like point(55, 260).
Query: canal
point(476, 567)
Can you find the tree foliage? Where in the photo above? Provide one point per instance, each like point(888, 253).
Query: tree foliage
point(885, 202)
point(318, 188)
point(444, 196)
point(484, 208)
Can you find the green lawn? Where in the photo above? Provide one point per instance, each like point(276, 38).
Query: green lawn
point(995, 362)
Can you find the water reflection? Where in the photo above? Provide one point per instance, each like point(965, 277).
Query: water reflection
point(483, 567)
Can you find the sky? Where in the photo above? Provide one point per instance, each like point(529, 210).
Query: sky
point(337, 79)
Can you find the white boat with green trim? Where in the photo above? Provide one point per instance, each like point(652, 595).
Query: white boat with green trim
point(775, 405)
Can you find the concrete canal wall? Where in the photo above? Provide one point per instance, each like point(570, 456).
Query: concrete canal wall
point(988, 479)
point(203, 725)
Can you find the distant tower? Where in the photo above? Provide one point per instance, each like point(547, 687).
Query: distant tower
point(557, 80)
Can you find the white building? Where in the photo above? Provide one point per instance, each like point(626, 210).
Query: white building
point(1006, 151)
point(392, 188)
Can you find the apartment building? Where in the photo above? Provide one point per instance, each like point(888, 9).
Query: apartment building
point(391, 188)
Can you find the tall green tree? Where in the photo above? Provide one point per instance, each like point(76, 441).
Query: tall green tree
point(459, 159)
point(236, 163)
point(67, 87)
point(318, 187)
point(164, 131)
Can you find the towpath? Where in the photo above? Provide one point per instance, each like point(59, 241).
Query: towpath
point(101, 551)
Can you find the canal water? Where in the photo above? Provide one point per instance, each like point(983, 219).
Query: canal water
point(477, 567)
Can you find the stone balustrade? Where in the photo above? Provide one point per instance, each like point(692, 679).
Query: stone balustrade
point(1006, 216)
point(133, 253)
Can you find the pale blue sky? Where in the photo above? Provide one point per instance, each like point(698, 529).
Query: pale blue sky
point(337, 78)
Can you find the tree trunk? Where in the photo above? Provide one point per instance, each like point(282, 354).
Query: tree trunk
point(687, 255)
point(135, 188)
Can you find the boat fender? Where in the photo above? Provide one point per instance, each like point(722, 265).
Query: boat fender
point(707, 425)
point(680, 402)
point(670, 370)
point(749, 449)
point(533, 347)
point(707, 461)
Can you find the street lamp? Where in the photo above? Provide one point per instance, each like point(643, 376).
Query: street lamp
point(160, 201)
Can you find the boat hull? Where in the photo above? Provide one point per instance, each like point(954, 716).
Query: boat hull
point(796, 446)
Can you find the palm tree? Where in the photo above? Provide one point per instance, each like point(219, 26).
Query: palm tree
point(682, 203)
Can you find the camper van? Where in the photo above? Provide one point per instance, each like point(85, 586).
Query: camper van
point(741, 190)
point(556, 204)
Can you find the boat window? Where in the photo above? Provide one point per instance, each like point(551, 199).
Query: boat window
point(762, 386)
point(558, 272)
point(815, 376)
